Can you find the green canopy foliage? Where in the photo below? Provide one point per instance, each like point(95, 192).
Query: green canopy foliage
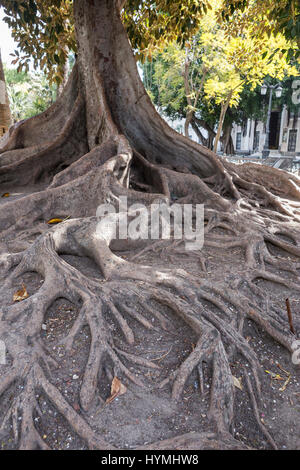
point(44, 29)
point(216, 71)
point(267, 16)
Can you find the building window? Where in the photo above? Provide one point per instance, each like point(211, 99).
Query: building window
point(292, 140)
point(239, 141)
point(284, 135)
point(256, 141)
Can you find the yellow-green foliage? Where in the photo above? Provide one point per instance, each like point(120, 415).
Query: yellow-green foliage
point(44, 29)
point(238, 59)
point(229, 62)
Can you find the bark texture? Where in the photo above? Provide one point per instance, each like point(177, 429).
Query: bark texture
point(101, 140)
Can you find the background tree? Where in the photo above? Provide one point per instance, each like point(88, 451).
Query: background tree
point(164, 84)
point(44, 32)
point(101, 140)
point(29, 93)
point(5, 114)
point(214, 68)
point(45, 29)
point(282, 16)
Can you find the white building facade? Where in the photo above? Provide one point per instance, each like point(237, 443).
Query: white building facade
point(284, 135)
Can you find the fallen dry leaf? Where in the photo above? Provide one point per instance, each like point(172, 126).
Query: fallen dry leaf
point(117, 389)
point(283, 370)
point(282, 389)
point(237, 382)
point(54, 221)
point(5, 195)
point(21, 294)
point(273, 375)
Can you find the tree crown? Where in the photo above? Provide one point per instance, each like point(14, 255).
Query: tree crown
point(44, 29)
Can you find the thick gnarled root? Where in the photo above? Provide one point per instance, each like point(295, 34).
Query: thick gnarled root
point(24, 320)
point(194, 300)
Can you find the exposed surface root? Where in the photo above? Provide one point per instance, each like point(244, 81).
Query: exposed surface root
point(219, 328)
point(257, 416)
point(21, 325)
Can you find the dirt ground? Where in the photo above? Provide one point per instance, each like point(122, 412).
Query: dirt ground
point(142, 416)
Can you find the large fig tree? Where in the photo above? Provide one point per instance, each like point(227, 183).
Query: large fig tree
point(101, 140)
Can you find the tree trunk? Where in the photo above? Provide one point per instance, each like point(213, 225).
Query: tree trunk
point(224, 108)
point(189, 112)
point(227, 140)
point(102, 140)
point(5, 115)
point(199, 134)
point(66, 72)
point(188, 121)
point(116, 75)
point(200, 123)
